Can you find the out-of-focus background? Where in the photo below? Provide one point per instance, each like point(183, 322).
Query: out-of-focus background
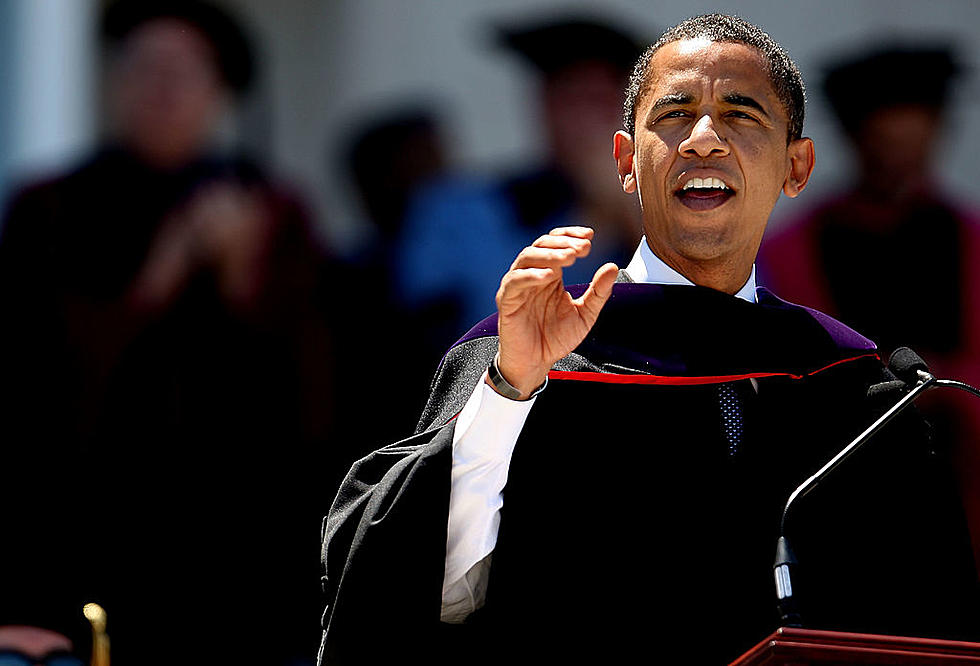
point(221, 284)
point(327, 67)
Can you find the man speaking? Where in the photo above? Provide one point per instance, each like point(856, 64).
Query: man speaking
point(599, 472)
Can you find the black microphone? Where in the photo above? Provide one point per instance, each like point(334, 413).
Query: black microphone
point(887, 389)
point(913, 379)
point(909, 366)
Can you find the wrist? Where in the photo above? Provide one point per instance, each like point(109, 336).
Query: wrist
point(515, 386)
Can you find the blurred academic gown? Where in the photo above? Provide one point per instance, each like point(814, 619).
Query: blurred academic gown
point(900, 265)
point(163, 455)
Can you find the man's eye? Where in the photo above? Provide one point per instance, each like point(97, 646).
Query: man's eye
point(741, 114)
point(673, 114)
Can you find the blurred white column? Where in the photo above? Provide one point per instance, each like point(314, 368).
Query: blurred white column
point(52, 85)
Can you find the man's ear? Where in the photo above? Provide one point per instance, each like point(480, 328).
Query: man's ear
point(801, 159)
point(623, 152)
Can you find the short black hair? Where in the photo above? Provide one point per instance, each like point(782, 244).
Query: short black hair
point(784, 75)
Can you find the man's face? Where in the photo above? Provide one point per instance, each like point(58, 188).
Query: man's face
point(895, 147)
point(709, 158)
point(166, 91)
point(583, 105)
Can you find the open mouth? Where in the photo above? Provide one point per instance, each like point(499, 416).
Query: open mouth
point(704, 193)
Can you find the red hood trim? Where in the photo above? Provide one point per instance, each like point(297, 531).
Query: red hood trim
point(660, 380)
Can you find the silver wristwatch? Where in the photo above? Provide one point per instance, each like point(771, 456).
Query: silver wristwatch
point(504, 387)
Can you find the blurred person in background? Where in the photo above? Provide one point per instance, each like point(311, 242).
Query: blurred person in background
point(388, 157)
point(895, 254)
point(461, 232)
point(165, 370)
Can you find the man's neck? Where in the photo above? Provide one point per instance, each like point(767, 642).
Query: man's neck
point(648, 267)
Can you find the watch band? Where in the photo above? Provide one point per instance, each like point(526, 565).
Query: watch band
point(504, 387)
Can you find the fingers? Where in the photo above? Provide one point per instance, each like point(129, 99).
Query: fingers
point(573, 232)
point(559, 248)
point(604, 278)
point(564, 242)
point(542, 257)
point(518, 282)
point(540, 264)
point(578, 238)
point(599, 289)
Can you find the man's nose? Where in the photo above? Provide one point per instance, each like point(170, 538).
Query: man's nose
point(703, 140)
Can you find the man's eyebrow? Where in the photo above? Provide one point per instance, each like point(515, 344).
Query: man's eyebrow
point(738, 99)
point(672, 99)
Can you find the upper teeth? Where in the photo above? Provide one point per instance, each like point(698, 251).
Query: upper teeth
point(705, 182)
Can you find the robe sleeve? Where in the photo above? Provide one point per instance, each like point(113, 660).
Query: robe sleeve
point(384, 539)
point(383, 552)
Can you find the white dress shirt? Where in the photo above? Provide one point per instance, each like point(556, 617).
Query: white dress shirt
point(486, 432)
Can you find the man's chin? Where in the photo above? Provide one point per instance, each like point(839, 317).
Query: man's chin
point(704, 244)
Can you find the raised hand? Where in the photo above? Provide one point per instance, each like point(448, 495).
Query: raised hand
point(540, 322)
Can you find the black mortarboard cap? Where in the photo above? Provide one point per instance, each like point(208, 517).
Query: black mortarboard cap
point(889, 76)
point(231, 45)
point(552, 45)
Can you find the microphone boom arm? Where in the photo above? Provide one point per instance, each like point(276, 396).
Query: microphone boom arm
point(785, 559)
point(811, 483)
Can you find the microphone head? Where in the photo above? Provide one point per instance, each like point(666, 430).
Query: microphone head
point(889, 389)
point(906, 364)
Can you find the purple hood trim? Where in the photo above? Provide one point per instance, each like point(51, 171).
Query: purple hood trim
point(846, 339)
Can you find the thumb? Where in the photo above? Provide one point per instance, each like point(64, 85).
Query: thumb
point(600, 289)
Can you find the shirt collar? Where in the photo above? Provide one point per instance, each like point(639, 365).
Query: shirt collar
point(645, 266)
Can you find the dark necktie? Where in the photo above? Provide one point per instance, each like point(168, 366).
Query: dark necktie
point(731, 416)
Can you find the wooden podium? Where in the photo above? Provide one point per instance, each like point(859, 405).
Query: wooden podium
point(801, 647)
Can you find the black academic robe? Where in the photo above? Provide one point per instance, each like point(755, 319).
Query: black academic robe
point(631, 528)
